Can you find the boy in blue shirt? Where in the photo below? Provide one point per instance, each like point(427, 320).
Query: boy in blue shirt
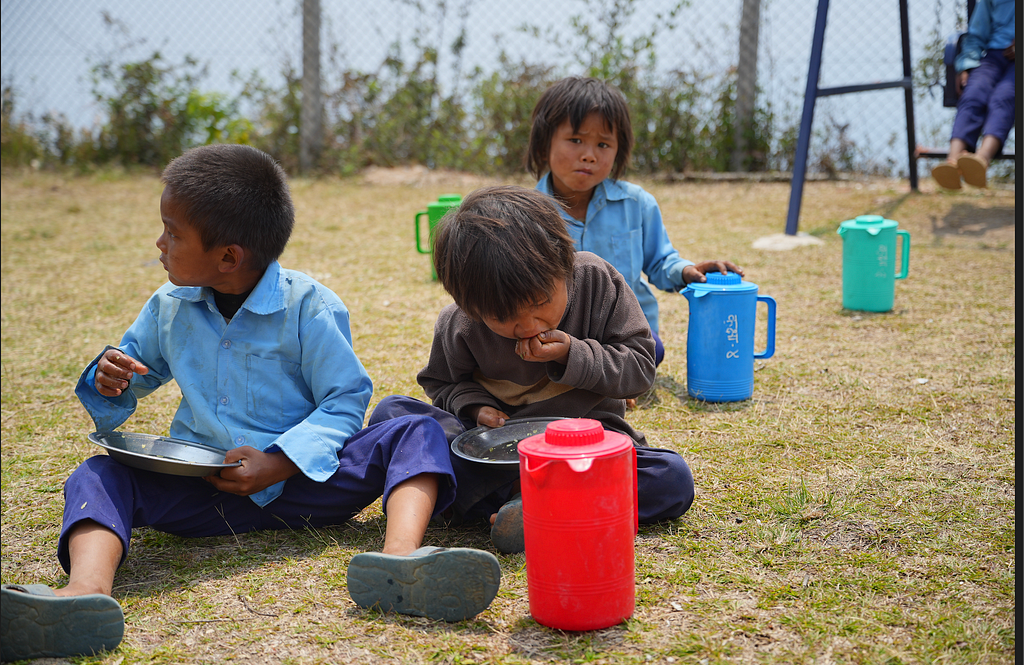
point(580, 143)
point(264, 361)
point(986, 82)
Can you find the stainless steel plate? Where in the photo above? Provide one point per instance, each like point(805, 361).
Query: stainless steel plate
point(498, 445)
point(162, 454)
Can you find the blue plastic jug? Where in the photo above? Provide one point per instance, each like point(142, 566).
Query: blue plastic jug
point(720, 344)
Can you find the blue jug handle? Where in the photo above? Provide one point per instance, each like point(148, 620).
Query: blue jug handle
point(769, 350)
point(419, 242)
point(905, 256)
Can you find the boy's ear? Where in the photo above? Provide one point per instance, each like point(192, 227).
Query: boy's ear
point(232, 258)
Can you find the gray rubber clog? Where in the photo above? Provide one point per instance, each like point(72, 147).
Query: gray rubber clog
point(507, 530)
point(35, 623)
point(451, 584)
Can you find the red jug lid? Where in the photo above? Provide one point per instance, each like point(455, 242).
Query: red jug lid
point(574, 438)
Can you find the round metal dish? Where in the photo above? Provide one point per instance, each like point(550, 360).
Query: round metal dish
point(498, 445)
point(162, 454)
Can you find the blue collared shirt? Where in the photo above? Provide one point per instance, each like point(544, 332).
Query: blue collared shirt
point(624, 228)
point(280, 376)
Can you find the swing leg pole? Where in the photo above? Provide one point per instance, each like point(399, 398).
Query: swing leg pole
point(796, 192)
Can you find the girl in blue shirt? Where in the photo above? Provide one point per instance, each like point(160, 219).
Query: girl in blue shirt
point(580, 142)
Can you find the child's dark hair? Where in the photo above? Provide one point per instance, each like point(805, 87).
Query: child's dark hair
point(574, 98)
point(234, 195)
point(502, 250)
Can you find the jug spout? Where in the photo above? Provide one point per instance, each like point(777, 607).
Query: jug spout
point(580, 465)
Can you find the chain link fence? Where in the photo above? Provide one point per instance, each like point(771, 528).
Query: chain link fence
point(469, 67)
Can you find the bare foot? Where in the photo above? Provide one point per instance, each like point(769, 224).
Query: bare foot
point(80, 589)
point(630, 404)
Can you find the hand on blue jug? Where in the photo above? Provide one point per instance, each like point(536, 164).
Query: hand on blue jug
point(695, 273)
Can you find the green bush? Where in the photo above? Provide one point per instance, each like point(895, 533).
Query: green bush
point(19, 143)
point(155, 111)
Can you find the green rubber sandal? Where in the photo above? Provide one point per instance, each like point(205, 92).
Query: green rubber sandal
point(35, 623)
point(451, 584)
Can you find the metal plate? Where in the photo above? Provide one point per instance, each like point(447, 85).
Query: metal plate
point(498, 445)
point(162, 454)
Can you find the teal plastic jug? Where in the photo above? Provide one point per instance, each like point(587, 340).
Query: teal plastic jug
point(869, 262)
point(433, 214)
point(720, 337)
point(580, 519)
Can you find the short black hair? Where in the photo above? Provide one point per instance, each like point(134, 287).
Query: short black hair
point(234, 195)
point(574, 98)
point(502, 250)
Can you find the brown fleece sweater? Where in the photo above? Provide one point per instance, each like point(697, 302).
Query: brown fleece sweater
point(611, 358)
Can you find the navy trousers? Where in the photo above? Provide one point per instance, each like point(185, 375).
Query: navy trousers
point(372, 462)
point(659, 349)
point(988, 103)
point(664, 481)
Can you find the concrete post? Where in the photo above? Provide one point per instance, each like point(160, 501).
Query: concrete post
point(310, 130)
point(746, 80)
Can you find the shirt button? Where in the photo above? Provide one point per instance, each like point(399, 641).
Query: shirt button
point(226, 344)
point(224, 400)
point(240, 440)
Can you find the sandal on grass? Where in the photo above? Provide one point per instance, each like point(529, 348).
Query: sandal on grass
point(451, 584)
point(947, 175)
point(36, 623)
point(507, 530)
point(973, 170)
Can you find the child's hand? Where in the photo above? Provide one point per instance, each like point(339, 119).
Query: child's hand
point(259, 470)
point(696, 273)
point(549, 346)
point(114, 370)
point(488, 416)
point(961, 81)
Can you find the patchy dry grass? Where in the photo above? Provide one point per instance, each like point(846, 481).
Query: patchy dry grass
point(860, 508)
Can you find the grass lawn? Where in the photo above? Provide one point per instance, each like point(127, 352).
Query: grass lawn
point(860, 508)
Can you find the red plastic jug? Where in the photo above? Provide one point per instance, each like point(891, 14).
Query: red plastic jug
point(579, 522)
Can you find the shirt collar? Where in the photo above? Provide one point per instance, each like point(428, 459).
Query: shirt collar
point(266, 298)
point(606, 190)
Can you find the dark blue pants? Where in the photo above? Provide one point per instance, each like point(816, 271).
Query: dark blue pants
point(987, 105)
point(664, 481)
point(659, 349)
point(373, 461)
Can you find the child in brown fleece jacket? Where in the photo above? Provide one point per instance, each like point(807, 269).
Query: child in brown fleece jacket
point(536, 329)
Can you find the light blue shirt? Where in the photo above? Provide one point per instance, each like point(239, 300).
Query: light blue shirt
point(624, 228)
point(993, 26)
point(281, 375)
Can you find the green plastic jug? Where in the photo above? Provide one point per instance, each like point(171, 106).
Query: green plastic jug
point(433, 214)
point(869, 262)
